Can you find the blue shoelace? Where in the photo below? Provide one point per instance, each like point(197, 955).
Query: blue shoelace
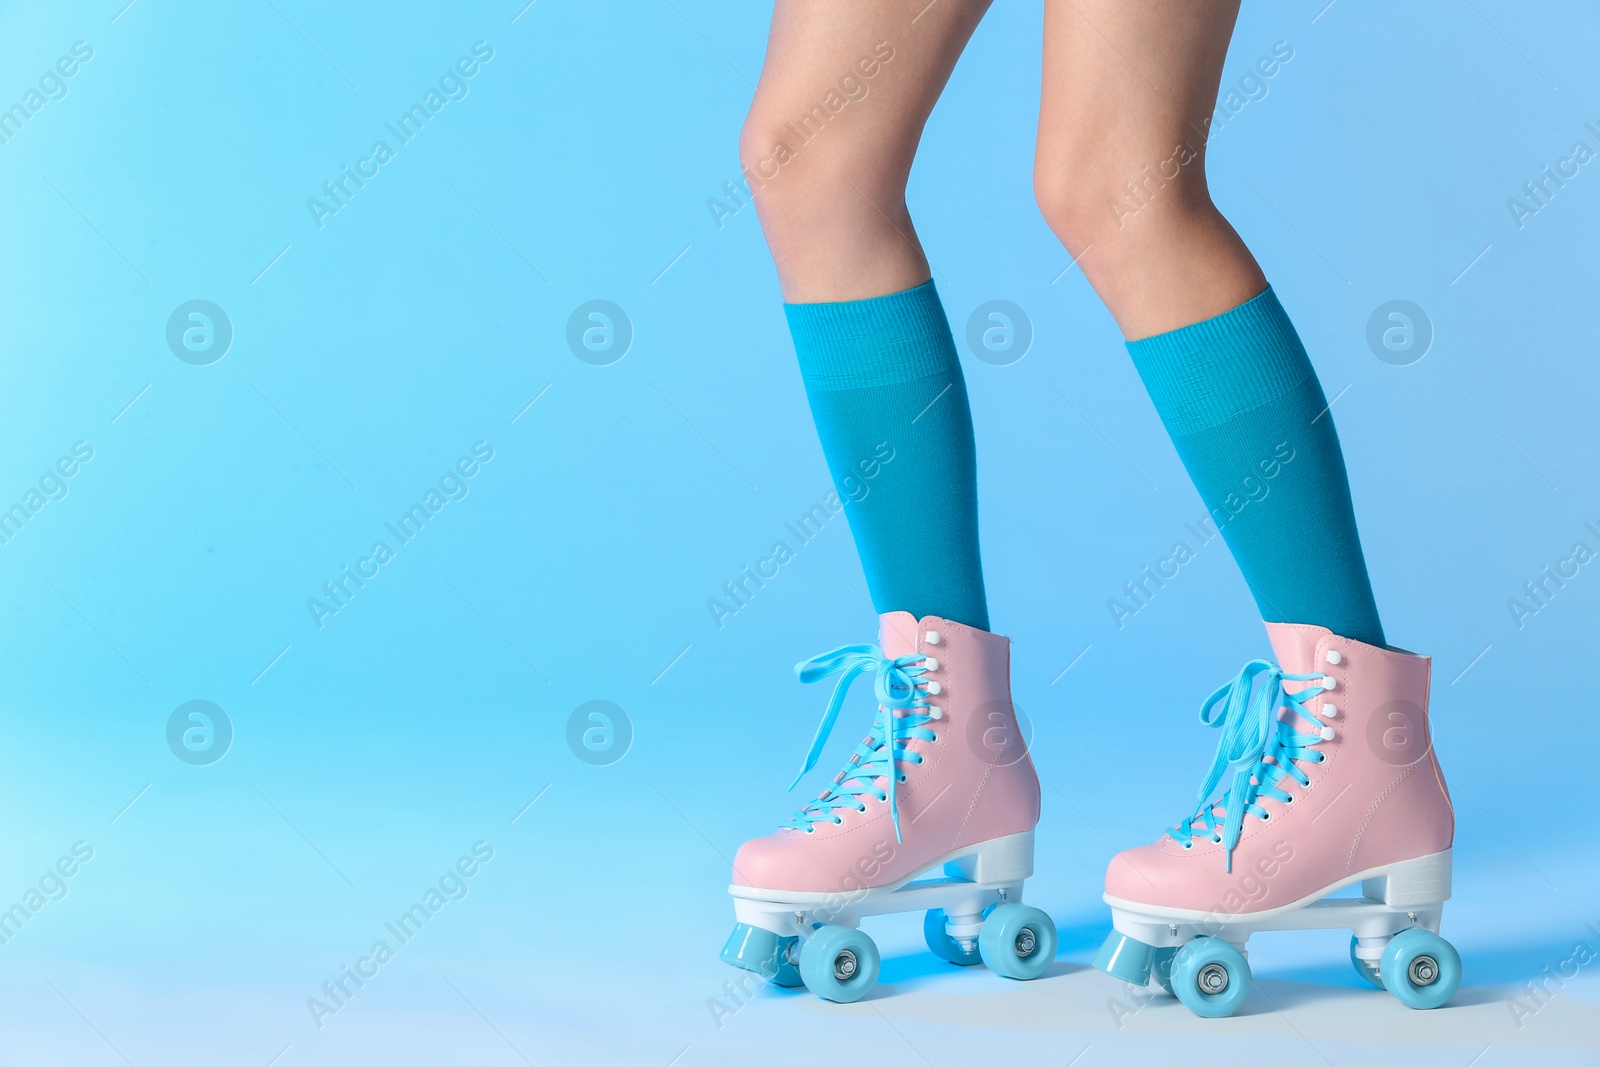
point(1246, 711)
point(902, 716)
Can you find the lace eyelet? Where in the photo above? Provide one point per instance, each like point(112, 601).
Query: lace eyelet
point(1290, 799)
point(1266, 816)
point(1187, 845)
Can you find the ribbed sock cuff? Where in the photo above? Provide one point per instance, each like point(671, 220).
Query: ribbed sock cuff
point(1202, 375)
point(884, 340)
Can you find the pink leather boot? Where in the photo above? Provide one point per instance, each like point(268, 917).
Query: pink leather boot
point(941, 789)
point(1325, 776)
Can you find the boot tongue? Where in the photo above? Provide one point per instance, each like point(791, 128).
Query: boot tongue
point(897, 634)
point(1295, 649)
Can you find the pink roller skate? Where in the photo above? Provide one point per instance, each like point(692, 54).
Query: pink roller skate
point(935, 810)
point(1329, 779)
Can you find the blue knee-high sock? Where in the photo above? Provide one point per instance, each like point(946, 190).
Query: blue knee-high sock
point(1252, 427)
point(890, 405)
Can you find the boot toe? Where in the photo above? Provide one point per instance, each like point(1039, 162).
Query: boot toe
point(770, 862)
point(1135, 874)
point(1163, 874)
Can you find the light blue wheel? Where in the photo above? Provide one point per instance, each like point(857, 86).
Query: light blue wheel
point(785, 973)
point(1210, 977)
point(943, 945)
point(1018, 941)
point(839, 963)
point(1367, 969)
point(1161, 967)
point(1420, 968)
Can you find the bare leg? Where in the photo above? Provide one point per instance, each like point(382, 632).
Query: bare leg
point(828, 147)
point(1129, 87)
point(830, 184)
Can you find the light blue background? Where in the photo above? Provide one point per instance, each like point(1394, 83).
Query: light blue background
point(370, 354)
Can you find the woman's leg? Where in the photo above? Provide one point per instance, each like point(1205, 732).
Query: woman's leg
point(1129, 89)
point(1325, 772)
point(944, 776)
point(828, 147)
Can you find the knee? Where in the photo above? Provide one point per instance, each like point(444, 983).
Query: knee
point(1065, 201)
point(1116, 200)
point(807, 180)
point(762, 152)
point(787, 195)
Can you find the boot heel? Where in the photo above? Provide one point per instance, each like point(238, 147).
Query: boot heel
point(1418, 883)
point(997, 862)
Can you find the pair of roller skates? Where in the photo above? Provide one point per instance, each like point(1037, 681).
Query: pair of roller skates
point(1324, 778)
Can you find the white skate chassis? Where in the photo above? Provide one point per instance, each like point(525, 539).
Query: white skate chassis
point(971, 879)
point(972, 897)
point(1393, 898)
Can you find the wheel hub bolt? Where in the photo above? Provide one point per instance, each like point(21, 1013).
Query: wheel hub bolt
point(1212, 979)
point(1424, 970)
point(1026, 943)
point(844, 965)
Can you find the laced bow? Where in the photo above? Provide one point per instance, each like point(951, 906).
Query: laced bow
point(902, 716)
point(1260, 748)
